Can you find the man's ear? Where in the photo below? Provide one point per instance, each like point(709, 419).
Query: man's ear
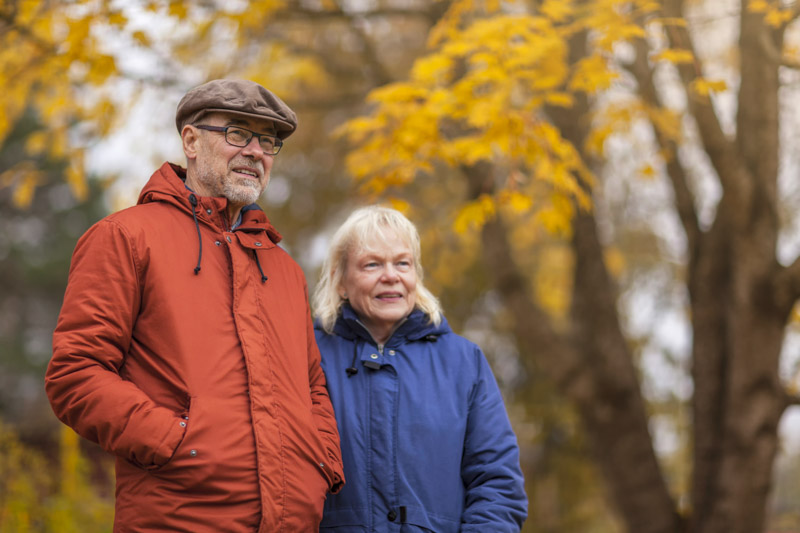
point(190, 138)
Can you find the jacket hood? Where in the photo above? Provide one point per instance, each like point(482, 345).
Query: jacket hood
point(415, 327)
point(168, 184)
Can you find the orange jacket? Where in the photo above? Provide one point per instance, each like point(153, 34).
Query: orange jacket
point(206, 386)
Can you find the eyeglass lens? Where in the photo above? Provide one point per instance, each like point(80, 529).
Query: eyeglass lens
point(241, 137)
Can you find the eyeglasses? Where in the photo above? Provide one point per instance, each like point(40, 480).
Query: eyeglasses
point(238, 136)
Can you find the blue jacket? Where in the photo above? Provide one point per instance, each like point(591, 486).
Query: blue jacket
point(426, 441)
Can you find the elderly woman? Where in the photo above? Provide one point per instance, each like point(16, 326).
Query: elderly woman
point(426, 441)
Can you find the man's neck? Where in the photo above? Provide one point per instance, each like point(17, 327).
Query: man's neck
point(233, 210)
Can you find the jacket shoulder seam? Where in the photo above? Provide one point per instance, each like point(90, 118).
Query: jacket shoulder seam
point(137, 263)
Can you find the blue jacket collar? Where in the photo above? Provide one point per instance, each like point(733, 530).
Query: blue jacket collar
point(416, 326)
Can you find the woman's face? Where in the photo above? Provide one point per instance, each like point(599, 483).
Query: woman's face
point(380, 282)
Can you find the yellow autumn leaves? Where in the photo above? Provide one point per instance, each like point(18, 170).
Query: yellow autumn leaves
point(55, 69)
point(776, 14)
point(480, 96)
point(483, 92)
point(49, 58)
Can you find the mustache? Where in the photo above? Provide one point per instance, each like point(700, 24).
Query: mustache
point(246, 163)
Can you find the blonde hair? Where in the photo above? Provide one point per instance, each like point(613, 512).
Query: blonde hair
point(361, 227)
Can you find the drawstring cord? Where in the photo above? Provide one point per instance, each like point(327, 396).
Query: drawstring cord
point(193, 201)
point(264, 278)
point(352, 370)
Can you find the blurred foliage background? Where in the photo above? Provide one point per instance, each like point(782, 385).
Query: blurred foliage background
point(605, 190)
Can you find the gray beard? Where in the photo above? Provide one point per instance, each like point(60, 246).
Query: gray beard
point(243, 193)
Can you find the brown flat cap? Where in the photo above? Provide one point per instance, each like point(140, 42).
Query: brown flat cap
point(239, 97)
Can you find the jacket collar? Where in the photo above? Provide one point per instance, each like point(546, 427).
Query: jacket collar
point(167, 184)
point(416, 326)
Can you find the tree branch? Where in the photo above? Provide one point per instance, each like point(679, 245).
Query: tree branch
point(44, 46)
point(795, 13)
point(356, 22)
point(729, 166)
point(382, 76)
point(304, 13)
point(684, 199)
point(792, 399)
point(533, 328)
point(789, 63)
point(786, 286)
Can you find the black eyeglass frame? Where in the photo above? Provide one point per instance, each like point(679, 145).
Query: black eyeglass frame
point(276, 142)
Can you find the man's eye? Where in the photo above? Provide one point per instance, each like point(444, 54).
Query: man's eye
point(236, 134)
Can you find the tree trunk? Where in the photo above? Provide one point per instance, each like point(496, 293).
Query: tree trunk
point(592, 366)
point(738, 326)
point(738, 323)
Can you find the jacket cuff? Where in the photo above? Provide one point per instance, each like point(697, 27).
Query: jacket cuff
point(338, 483)
point(335, 475)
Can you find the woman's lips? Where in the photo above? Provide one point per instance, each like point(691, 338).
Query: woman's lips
point(389, 296)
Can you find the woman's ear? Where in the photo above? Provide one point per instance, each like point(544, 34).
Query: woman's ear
point(190, 138)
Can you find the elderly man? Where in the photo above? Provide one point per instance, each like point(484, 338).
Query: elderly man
point(185, 346)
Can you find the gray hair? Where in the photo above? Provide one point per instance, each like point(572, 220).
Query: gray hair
point(362, 226)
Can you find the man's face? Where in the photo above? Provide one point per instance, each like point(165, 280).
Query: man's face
point(240, 174)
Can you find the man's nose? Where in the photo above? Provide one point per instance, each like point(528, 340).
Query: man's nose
point(253, 148)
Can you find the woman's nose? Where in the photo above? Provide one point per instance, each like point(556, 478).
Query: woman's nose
point(390, 273)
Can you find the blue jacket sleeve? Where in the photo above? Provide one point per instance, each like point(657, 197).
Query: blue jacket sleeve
point(495, 489)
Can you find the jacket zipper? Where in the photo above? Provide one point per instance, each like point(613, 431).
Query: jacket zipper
point(381, 346)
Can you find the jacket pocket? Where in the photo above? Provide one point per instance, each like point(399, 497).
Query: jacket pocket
point(162, 453)
point(186, 422)
point(417, 519)
point(344, 520)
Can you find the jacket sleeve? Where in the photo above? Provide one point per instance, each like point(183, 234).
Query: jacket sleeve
point(495, 493)
point(90, 342)
point(322, 411)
